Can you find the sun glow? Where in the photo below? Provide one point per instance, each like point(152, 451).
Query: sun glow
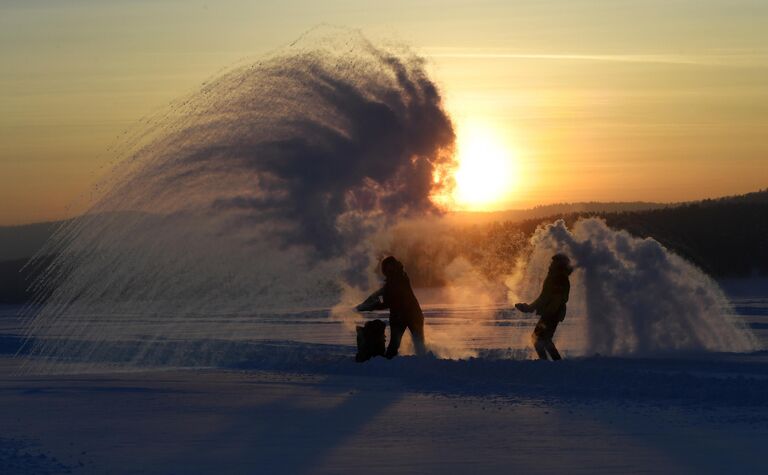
point(487, 173)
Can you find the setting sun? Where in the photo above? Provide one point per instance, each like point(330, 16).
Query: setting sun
point(488, 171)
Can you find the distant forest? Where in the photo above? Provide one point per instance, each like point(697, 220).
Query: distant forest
point(725, 237)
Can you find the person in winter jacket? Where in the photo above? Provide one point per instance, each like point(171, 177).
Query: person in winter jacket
point(404, 309)
point(550, 305)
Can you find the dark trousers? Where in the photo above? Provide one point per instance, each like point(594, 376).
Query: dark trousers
point(542, 338)
point(396, 331)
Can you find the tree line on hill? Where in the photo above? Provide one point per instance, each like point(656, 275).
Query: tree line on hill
point(725, 237)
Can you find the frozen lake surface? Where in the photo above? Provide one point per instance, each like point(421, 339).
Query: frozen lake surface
point(282, 395)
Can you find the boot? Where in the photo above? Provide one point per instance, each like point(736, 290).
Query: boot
point(552, 350)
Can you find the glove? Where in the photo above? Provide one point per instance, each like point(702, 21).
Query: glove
point(370, 304)
point(524, 307)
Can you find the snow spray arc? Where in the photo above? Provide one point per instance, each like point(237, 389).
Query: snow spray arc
point(258, 191)
point(634, 297)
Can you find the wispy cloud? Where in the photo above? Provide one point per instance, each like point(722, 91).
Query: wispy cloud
point(693, 59)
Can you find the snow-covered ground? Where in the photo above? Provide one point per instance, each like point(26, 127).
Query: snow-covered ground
point(286, 397)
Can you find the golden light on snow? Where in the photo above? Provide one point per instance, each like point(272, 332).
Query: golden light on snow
point(488, 168)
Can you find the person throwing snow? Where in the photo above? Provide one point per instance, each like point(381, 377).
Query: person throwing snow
point(404, 310)
point(550, 305)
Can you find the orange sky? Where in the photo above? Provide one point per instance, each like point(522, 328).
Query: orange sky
point(590, 100)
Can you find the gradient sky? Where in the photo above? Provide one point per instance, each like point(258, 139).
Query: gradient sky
point(656, 100)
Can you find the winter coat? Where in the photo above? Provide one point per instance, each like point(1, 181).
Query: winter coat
point(399, 298)
point(554, 294)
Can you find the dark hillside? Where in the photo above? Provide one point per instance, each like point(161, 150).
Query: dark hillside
point(726, 237)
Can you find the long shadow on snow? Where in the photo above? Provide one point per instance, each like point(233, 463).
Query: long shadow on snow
point(259, 434)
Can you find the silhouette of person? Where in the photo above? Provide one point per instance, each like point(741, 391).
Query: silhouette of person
point(550, 305)
point(404, 310)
